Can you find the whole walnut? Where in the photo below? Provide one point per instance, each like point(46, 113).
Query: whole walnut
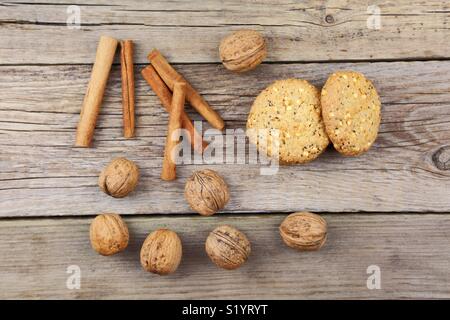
point(227, 247)
point(304, 231)
point(119, 178)
point(161, 252)
point(242, 50)
point(206, 192)
point(109, 234)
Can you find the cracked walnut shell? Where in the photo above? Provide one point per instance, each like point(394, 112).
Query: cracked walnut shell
point(304, 231)
point(108, 234)
point(161, 252)
point(119, 178)
point(227, 247)
point(242, 50)
point(206, 192)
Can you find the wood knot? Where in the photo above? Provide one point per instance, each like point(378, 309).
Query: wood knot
point(329, 19)
point(441, 158)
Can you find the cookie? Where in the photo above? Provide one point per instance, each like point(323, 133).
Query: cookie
point(351, 111)
point(285, 120)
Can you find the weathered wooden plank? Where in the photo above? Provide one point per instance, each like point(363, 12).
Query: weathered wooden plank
point(42, 174)
point(410, 250)
point(190, 31)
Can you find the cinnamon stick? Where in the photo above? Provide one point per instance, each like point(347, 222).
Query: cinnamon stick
point(170, 76)
point(126, 63)
point(96, 88)
point(165, 96)
point(178, 99)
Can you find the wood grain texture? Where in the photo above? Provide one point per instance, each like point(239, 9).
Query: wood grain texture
point(190, 31)
point(411, 251)
point(41, 173)
point(44, 72)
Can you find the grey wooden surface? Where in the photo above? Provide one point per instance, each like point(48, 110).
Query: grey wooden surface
point(189, 31)
point(43, 171)
point(388, 207)
point(410, 249)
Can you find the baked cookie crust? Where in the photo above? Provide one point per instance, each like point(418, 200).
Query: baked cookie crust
point(351, 111)
point(287, 114)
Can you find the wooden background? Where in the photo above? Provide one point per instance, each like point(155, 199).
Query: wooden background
point(386, 208)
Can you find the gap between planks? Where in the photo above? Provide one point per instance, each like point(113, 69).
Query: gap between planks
point(287, 62)
point(227, 215)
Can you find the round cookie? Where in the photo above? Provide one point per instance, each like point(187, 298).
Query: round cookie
point(286, 117)
point(351, 111)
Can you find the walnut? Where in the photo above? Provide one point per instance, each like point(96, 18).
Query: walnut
point(242, 50)
point(227, 247)
point(206, 192)
point(304, 231)
point(161, 252)
point(109, 234)
point(119, 178)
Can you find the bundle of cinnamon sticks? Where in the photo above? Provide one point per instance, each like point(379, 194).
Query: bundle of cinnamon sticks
point(94, 95)
point(163, 79)
point(170, 87)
